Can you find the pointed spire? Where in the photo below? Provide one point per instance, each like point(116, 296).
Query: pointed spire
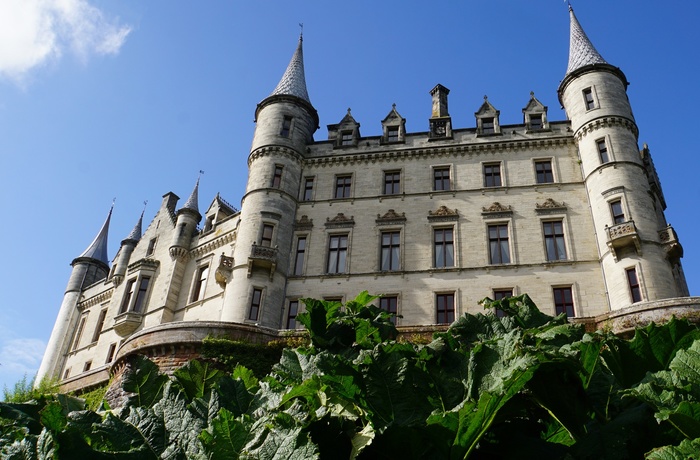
point(98, 248)
point(581, 50)
point(293, 82)
point(135, 234)
point(192, 202)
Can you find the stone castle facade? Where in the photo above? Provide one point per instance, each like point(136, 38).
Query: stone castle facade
point(570, 212)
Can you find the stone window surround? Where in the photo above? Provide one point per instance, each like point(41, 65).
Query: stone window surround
point(392, 295)
point(637, 269)
point(336, 177)
point(502, 173)
point(574, 297)
point(385, 174)
point(455, 304)
point(401, 249)
point(510, 242)
point(304, 260)
point(455, 244)
point(564, 234)
point(347, 232)
point(552, 165)
point(450, 170)
point(251, 299)
point(288, 313)
point(594, 95)
point(203, 264)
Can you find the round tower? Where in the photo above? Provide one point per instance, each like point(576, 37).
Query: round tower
point(627, 213)
point(285, 123)
point(186, 222)
point(88, 268)
point(125, 251)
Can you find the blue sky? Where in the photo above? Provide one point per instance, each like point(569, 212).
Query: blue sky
point(130, 99)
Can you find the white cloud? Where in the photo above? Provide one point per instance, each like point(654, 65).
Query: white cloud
point(21, 356)
point(34, 32)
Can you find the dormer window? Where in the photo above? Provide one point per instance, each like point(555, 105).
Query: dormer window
point(487, 126)
point(346, 138)
point(487, 119)
point(392, 134)
point(393, 127)
point(535, 115)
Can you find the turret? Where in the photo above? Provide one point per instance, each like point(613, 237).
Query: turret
point(626, 209)
point(285, 124)
point(88, 268)
point(127, 247)
point(186, 221)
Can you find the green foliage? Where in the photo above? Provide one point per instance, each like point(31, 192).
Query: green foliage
point(259, 358)
point(23, 390)
point(488, 387)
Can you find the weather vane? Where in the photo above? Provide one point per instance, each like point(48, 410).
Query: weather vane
point(301, 34)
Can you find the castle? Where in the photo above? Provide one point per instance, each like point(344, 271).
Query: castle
point(570, 212)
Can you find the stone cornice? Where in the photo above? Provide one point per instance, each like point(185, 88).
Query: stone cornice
point(277, 150)
point(96, 299)
point(213, 245)
point(340, 221)
point(606, 122)
point(333, 159)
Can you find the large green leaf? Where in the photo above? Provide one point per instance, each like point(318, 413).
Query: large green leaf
point(144, 381)
point(226, 435)
point(278, 439)
point(197, 378)
point(686, 450)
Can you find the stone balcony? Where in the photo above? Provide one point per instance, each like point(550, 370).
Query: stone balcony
point(126, 323)
point(621, 236)
point(671, 244)
point(263, 257)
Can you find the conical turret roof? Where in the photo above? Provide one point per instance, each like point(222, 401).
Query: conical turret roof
point(98, 248)
point(135, 234)
point(191, 204)
point(581, 50)
point(293, 82)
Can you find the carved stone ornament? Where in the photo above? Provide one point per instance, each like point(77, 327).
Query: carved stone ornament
point(497, 207)
point(340, 220)
point(550, 205)
point(443, 213)
point(304, 222)
point(224, 270)
point(391, 217)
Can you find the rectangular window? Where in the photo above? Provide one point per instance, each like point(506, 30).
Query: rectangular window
point(100, 325)
point(392, 134)
point(128, 293)
point(633, 282)
point(292, 314)
point(392, 182)
point(151, 247)
point(308, 189)
point(277, 177)
point(87, 366)
point(255, 305)
point(390, 251)
point(299, 259)
point(79, 334)
point(200, 283)
point(141, 295)
point(337, 253)
point(445, 308)
point(602, 151)
point(346, 138)
point(487, 126)
point(286, 126)
point(441, 179)
point(443, 242)
point(110, 353)
point(499, 294)
point(564, 301)
point(554, 240)
point(66, 373)
point(342, 186)
point(390, 304)
point(588, 98)
point(266, 237)
point(618, 215)
point(499, 252)
point(535, 121)
point(543, 172)
point(492, 175)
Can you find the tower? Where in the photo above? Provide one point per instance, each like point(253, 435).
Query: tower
point(125, 251)
point(638, 262)
point(88, 268)
point(285, 123)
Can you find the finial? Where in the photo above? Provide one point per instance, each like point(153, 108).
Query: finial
point(486, 98)
point(569, 3)
point(532, 94)
point(301, 34)
point(393, 106)
point(348, 110)
point(144, 208)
